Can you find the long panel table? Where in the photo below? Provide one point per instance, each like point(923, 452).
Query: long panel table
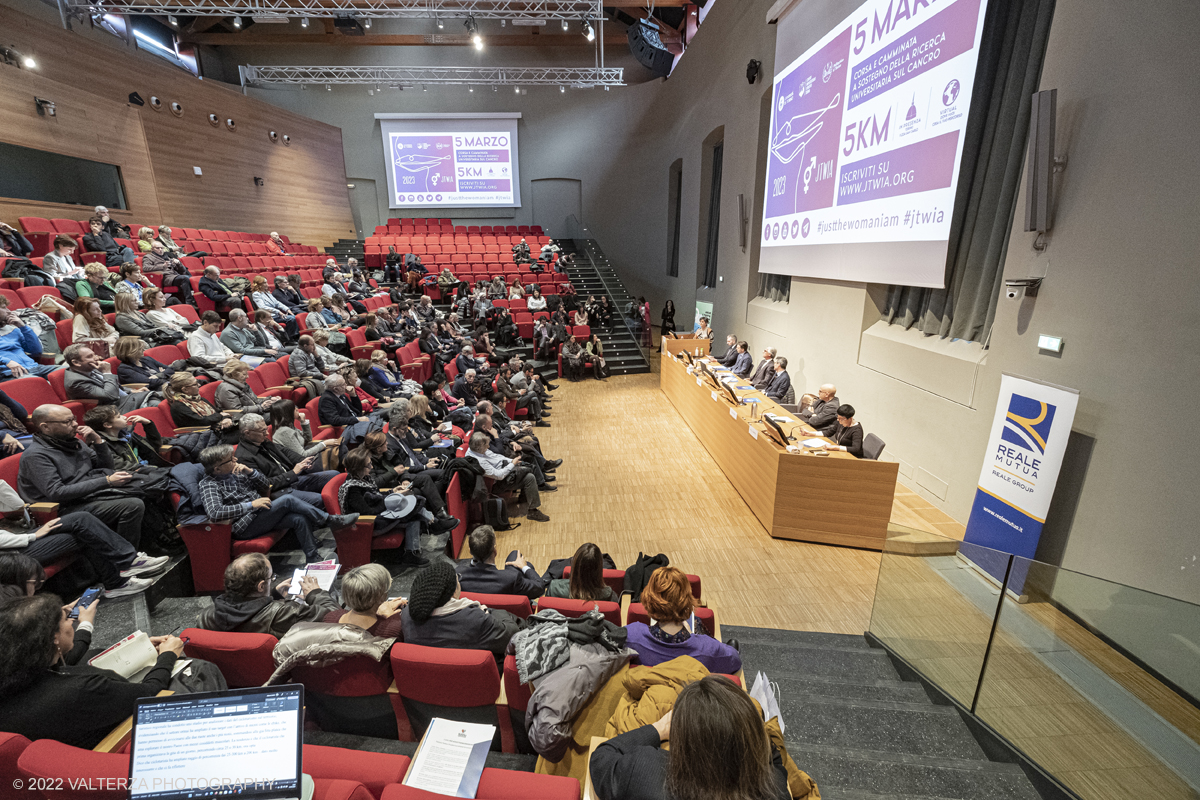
point(831, 499)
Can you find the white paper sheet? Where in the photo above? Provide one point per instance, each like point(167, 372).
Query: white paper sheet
point(323, 571)
point(451, 758)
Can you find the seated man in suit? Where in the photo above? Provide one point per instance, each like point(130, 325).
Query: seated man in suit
point(339, 405)
point(847, 434)
point(243, 338)
point(743, 363)
point(731, 351)
point(765, 369)
point(211, 287)
point(288, 296)
point(781, 383)
point(250, 604)
point(463, 388)
point(482, 576)
point(824, 411)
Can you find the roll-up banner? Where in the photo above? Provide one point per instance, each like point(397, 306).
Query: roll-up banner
point(1020, 469)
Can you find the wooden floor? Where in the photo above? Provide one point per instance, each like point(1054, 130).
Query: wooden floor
point(635, 479)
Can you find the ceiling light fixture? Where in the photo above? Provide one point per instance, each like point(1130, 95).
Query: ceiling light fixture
point(29, 62)
point(237, 23)
point(566, 25)
point(328, 88)
point(367, 23)
point(440, 23)
point(517, 89)
point(473, 31)
point(471, 89)
point(172, 21)
point(304, 22)
point(588, 31)
point(562, 90)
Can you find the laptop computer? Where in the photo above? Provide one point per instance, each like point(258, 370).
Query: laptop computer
point(241, 742)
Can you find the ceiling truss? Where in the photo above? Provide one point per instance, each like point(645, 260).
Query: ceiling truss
point(407, 77)
point(570, 10)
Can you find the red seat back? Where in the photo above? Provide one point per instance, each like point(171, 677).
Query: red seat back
point(577, 608)
point(209, 392)
point(35, 225)
point(11, 747)
point(73, 773)
point(31, 294)
point(445, 676)
point(516, 603)
point(31, 392)
point(357, 676)
point(244, 658)
point(63, 332)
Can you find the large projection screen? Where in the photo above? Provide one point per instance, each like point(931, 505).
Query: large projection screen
point(866, 141)
point(451, 160)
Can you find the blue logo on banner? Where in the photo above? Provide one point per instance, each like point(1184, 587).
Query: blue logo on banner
point(1027, 424)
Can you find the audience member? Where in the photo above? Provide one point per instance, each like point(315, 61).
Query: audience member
point(236, 494)
point(250, 604)
point(244, 339)
point(481, 575)
point(88, 377)
point(276, 245)
point(509, 474)
point(114, 229)
point(595, 354)
point(270, 331)
point(158, 312)
point(57, 467)
point(847, 435)
point(95, 285)
point(360, 494)
point(365, 592)
point(20, 348)
point(285, 471)
point(535, 302)
point(59, 263)
point(719, 751)
point(743, 363)
point(89, 327)
point(189, 410)
point(203, 344)
point(136, 367)
point(287, 296)
point(587, 578)
point(160, 261)
point(322, 339)
point(291, 431)
point(133, 281)
point(437, 615)
point(164, 238)
point(13, 243)
point(525, 399)
point(572, 359)
point(20, 575)
point(668, 600)
point(114, 560)
point(212, 287)
point(43, 698)
point(235, 394)
point(265, 300)
point(126, 448)
point(101, 241)
point(339, 405)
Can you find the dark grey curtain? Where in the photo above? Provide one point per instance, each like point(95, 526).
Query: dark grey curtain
point(714, 217)
point(1010, 68)
point(775, 287)
point(676, 191)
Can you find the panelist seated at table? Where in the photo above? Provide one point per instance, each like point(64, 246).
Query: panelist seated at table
point(765, 369)
point(823, 411)
point(847, 435)
point(731, 351)
point(780, 385)
point(742, 363)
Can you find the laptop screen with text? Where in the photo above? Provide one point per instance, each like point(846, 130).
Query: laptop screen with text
point(241, 742)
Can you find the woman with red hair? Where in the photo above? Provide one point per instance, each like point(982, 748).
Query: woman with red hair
point(668, 600)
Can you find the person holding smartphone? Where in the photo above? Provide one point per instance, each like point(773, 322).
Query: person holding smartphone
point(284, 469)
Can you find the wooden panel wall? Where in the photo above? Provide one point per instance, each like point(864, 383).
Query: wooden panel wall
point(304, 195)
point(84, 126)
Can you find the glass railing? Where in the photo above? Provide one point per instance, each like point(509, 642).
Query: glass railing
point(1096, 682)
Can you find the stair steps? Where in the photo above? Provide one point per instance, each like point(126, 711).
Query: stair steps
point(861, 732)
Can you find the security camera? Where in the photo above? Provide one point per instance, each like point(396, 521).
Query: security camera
point(45, 107)
point(1016, 287)
point(753, 69)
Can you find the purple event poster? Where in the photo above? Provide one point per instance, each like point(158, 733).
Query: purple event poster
point(805, 127)
point(423, 163)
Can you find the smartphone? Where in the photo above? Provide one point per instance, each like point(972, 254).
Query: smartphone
point(86, 600)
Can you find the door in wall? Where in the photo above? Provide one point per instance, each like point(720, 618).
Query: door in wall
point(364, 205)
point(558, 207)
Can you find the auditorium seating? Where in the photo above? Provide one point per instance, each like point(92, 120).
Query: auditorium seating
point(354, 544)
point(516, 603)
point(244, 659)
point(501, 784)
point(462, 685)
point(211, 547)
point(577, 608)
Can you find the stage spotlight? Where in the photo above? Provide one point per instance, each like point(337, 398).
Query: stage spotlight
point(565, 25)
point(562, 90)
point(473, 31)
point(172, 21)
point(589, 31)
point(237, 23)
point(304, 22)
point(367, 23)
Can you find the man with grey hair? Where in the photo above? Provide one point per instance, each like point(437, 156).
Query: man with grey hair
point(339, 405)
point(765, 370)
point(250, 604)
point(780, 385)
point(244, 339)
point(286, 470)
point(824, 411)
point(238, 495)
point(508, 473)
point(466, 359)
point(212, 287)
point(89, 377)
point(464, 388)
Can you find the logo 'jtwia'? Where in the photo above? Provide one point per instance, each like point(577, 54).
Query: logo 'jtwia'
point(1027, 424)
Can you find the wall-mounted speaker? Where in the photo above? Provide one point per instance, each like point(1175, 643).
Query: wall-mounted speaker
point(647, 48)
point(1039, 188)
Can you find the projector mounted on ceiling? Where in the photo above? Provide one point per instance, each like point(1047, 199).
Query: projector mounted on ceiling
point(350, 26)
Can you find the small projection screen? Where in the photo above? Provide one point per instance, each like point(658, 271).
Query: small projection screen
point(866, 138)
point(451, 160)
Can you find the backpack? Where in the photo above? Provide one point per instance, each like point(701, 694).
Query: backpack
point(495, 513)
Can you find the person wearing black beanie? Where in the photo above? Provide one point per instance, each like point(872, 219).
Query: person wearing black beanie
point(437, 615)
point(434, 586)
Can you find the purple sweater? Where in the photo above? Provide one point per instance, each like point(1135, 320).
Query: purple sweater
point(716, 656)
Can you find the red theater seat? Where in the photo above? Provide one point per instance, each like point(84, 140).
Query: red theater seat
point(577, 608)
point(244, 658)
point(354, 544)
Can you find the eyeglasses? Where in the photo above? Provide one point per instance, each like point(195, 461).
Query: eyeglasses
point(66, 421)
point(37, 583)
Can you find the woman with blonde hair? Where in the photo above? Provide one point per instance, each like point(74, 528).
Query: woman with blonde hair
point(90, 328)
point(516, 291)
point(235, 394)
point(668, 600)
point(315, 319)
point(145, 239)
point(137, 367)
